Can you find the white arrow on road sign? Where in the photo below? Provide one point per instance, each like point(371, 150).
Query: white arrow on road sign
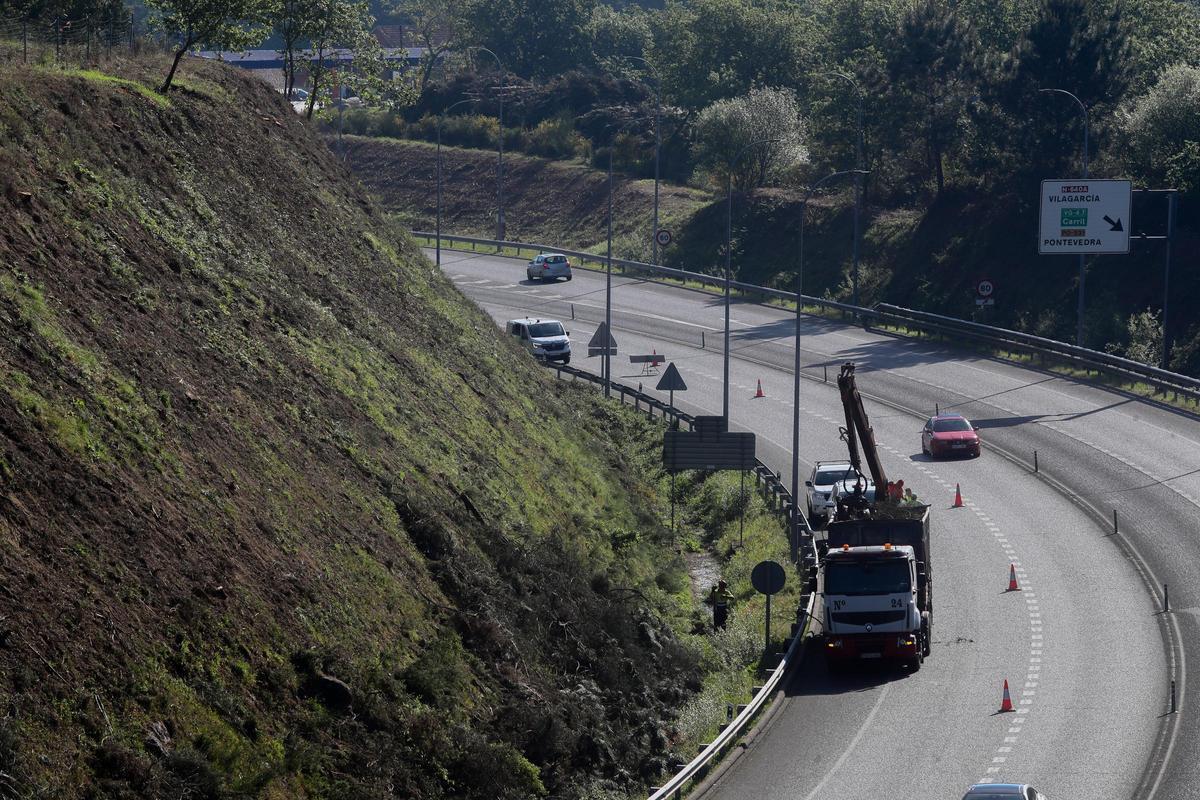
point(1083, 216)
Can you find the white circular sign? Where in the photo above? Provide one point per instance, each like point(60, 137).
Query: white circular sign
point(663, 237)
point(985, 288)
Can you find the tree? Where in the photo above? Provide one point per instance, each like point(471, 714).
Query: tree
point(439, 27)
point(291, 28)
point(1161, 130)
point(709, 50)
point(612, 33)
point(929, 70)
point(334, 25)
point(224, 24)
point(533, 38)
point(728, 130)
point(1071, 46)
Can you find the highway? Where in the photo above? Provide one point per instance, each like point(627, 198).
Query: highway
point(1084, 646)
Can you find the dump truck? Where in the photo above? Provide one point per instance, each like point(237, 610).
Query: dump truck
point(876, 579)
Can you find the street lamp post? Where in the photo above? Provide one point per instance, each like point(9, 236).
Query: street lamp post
point(657, 148)
point(608, 286)
point(728, 249)
point(858, 164)
point(1082, 257)
point(438, 224)
point(794, 537)
point(499, 153)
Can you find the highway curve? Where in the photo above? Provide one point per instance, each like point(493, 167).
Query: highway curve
point(1083, 645)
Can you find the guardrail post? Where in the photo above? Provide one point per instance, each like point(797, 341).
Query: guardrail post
point(1035, 461)
point(1166, 598)
point(1115, 521)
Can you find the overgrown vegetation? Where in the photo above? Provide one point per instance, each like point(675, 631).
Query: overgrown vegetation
point(283, 515)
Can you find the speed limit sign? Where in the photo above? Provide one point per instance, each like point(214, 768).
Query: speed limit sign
point(663, 237)
point(985, 288)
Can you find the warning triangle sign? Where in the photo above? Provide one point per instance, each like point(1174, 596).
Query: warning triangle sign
point(598, 339)
point(602, 340)
point(671, 381)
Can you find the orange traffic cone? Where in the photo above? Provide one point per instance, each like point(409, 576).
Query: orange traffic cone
point(1006, 702)
point(958, 503)
point(759, 392)
point(1012, 578)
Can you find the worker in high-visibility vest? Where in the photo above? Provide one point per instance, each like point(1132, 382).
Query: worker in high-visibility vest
point(720, 597)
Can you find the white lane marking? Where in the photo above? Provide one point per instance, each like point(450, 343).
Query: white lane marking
point(853, 743)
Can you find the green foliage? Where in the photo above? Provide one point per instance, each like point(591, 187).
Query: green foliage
point(439, 26)
point(332, 24)
point(928, 81)
point(613, 33)
point(222, 24)
point(1144, 342)
point(440, 676)
point(48, 10)
point(556, 138)
point(533, 38)
point(751, 139)
point(1071, 45)
point(1161, 130)
point(712, 50)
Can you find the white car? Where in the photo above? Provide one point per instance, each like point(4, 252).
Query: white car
point(827, 478)
point(548, 266)
point(545, 338)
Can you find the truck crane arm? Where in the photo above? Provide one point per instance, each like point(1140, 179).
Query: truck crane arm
point(858, 428)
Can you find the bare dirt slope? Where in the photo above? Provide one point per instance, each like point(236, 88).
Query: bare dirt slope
point(281, 514)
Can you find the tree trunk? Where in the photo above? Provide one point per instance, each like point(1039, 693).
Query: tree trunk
point(315, 79)
point(166, 87)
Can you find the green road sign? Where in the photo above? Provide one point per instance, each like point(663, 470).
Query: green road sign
point(1074, 217)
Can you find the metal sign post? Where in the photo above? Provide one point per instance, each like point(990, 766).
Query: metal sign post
point(671, 381)
point(768, 578)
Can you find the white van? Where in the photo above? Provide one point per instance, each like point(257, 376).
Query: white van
point(545, 338)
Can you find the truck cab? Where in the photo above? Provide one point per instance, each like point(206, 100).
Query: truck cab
point(871, 607)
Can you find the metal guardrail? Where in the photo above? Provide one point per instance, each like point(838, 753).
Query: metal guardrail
point(1162, 379)
point(779, 499)
point(884, 314)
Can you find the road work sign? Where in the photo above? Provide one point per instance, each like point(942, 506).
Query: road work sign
point(1081, 216)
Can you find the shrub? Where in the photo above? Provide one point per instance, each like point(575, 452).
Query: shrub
point(556, 138)
point(762, 132)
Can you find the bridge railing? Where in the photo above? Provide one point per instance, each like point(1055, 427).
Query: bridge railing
point(881, 316)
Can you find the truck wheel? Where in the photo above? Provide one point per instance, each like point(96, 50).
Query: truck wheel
point(914, 664)
point(926, 630)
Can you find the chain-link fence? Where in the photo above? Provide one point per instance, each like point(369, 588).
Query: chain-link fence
point(84, 41)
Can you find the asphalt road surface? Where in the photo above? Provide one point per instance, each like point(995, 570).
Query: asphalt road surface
point(1087, 652)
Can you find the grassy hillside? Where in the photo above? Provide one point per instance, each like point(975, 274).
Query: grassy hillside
point(281, 514)
point(554, 202)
